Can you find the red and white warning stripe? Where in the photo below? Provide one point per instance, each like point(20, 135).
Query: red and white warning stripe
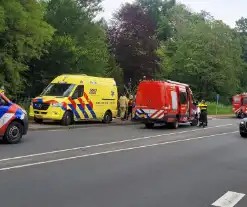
point(159, 114)
point(237, 110)
point(153, 113)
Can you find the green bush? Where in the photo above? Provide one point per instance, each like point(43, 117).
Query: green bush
point(221, 109)
point(24, 103)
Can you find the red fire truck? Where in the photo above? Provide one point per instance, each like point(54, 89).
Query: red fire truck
point(239, 105)
point(167, 102)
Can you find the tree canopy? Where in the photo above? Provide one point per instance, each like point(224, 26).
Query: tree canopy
point(159, 39)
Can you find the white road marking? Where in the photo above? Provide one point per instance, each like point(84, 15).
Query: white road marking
point(112, 151)
point(110, 143)
point(229, 199)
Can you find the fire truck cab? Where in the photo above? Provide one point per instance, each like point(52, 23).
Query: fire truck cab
point(167, 102)
point(239, 105)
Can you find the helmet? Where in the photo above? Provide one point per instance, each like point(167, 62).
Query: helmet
point(130, 97)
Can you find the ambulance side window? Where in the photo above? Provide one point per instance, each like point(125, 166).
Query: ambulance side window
point(183, 98)
point(79, 91)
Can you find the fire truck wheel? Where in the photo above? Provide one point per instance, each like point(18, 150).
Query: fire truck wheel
point(242, 115)
point(175, 124)
point(194, 122)
point(149, 125)
point(14, 132)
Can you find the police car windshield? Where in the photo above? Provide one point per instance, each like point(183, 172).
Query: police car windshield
point(58, 89)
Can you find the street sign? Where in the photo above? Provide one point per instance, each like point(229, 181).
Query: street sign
point(217, 97)
point(217, 102)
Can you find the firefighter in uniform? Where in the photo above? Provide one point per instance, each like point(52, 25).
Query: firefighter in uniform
point(123, 105)
point(203, 119)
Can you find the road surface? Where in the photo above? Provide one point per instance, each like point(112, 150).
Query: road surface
point(127, 166)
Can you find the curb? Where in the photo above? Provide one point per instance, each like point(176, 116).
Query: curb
point(221, 117)
point(49, 127)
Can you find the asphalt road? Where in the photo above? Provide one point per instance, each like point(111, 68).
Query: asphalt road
point(126, 166)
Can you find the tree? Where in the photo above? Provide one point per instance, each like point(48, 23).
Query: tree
point(23, 35)
point(78, 46)
point(205, 54)
point(241, 29)
point(91, 7)
point(158, 11)
point(132, 41)
point(241, 25)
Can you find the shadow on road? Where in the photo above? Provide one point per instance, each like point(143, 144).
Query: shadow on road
point(162, 127)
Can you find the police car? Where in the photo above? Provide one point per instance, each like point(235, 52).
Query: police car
point(13, 121)
point(243, 128)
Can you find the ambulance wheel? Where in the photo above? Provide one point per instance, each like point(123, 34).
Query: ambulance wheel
point(107, 117)
point(38, 121)
point(149, 125)
point(67, 118)
point(14, 132)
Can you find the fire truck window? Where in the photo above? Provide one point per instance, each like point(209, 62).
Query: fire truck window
point(183, 98)
point(174, 100)
point(245, 101)
point(236, 99)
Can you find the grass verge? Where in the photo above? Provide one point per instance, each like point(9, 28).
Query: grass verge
point(221, 109)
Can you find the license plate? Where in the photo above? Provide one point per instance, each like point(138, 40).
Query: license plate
point(38, 116)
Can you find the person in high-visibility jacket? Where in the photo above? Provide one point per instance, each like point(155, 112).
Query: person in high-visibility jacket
point(123, 105)
point(130, 107)
point(203, 114)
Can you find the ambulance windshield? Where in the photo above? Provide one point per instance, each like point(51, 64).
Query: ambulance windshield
point(58, 89)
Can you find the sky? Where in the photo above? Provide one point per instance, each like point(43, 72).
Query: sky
point(227, 10)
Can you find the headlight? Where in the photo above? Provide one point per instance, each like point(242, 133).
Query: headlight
point(242, 122)
point(24, 111)
point(57, 104)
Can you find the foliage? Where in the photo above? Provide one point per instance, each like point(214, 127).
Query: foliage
point(204, 53)
point(132, 40)
point(78, 46)
point(221, 108)
point(154, 38)
point(23, 35)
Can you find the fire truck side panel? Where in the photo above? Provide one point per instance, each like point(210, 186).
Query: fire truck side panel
point(163, 102)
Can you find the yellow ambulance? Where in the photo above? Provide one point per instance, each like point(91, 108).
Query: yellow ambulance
point(70, 98)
